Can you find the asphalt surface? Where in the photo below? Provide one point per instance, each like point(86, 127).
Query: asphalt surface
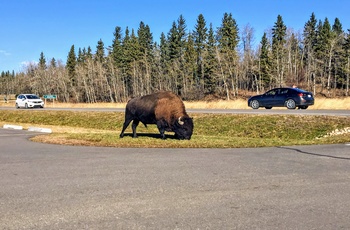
point(285, 111)
point(45, 186)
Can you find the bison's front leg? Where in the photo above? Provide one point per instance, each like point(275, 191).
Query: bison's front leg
point(161, 125)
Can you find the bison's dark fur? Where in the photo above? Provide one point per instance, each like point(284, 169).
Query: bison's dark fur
point(164, 109)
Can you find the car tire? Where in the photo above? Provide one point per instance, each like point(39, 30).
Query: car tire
point(255, 104)
point(26, 106)
point(268, 107)
point(304, 107)
point(17, 106)
point(290, 104)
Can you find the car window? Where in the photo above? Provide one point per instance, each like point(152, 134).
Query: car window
point(283, 91)
point(272, 92)
point(32, 97)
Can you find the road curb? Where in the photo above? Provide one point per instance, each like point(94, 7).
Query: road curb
point(31, 129)
point(37, 129)
point(17, 127)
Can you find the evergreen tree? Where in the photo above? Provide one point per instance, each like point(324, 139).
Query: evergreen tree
point(189, 69)
point(228, 38)
point(53, 63)
point(265, 64)
point(346, 48)
point(278, 50)
point(88, 54)
point(181, 32)
point(210, 63)
point(100, 52)
point(228, 34)
point(337, 27)
point(200, 35)
point(325, 49)
point(117, 51)
point(310, 34)
point(164, 51)
point(177, 38)
point(71, 64)
point(42, 61)
point(145, 39)
point(173, 42)
point(81, 56)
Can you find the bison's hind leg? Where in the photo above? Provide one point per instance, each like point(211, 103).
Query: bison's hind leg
point(125, 125)
point(135, 123)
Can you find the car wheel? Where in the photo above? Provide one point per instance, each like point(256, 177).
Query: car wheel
point(290, 104)
point(304, 107)
point(17, 107)
point(26, 106)
point(255, 104)
point(268, 107)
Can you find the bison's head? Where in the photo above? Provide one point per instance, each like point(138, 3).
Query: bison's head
point(183, 128)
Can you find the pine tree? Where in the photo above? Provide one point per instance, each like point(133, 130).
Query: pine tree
point(71, 64)
point(338, 61)
point(346, 48)
point(188, 87)
point(42, 61)
point(117, 50)
point(278, 50)
point(265, 64)
point(200, 35)
point(53, 63)
point(81, 57)
point(164, 52)
point(228, 38)
point(145, 39)
point(210, 63)
point(310, 45)
point(100, 52)
point(325, 51)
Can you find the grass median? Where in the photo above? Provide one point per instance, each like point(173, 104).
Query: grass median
point(210, 130)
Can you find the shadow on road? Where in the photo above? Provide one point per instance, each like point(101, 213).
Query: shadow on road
point(315, 154)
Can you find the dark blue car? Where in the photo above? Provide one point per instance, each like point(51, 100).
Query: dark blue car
point(282, 97)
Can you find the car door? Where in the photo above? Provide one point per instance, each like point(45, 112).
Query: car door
point(269, 98)
point(281, 97)
point(21, 101)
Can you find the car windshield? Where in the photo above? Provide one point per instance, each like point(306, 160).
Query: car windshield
point(32, 97)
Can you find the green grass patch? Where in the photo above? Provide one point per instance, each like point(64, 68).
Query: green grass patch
point(210, 130)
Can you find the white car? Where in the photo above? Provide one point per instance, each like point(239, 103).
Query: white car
point(29, 101)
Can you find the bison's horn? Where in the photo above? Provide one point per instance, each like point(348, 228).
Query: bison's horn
point(180, 122)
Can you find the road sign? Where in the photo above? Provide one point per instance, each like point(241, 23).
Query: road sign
point(50, 96)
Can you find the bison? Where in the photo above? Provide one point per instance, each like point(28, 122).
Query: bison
point(165, 109)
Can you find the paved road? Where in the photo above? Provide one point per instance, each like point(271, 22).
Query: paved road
point(46, 186)
point(221, 111)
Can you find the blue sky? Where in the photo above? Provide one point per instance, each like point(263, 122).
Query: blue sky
point(52, 27)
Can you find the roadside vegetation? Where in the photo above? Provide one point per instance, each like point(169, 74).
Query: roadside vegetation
point(211, 130)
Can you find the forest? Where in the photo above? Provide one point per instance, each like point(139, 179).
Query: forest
point(198, 64)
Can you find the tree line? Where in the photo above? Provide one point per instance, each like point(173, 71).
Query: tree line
point(195, 64)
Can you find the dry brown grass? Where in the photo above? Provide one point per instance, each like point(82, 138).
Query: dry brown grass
point(320, 103)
